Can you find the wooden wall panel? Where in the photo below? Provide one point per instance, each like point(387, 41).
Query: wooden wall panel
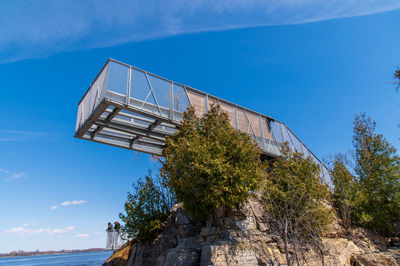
point(266, 131)
point(197, 101)
point(242, 120)
point(255, 123)
point(211, 101)
point(230, 110)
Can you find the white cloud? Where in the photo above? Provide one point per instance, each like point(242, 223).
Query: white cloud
point(73, 202)
point(68, 203)
point(23, 230)
point(5, 171)
point(11, 175)
point(40, 28)
point(81, 235)
point(17, 175)
point(60, 231)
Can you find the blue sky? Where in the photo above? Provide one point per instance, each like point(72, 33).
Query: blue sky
point(311, 64)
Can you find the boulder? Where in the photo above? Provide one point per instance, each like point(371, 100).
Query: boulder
point(388, 258)
point(119, 257)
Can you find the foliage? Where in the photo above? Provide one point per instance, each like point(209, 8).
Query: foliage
point(147, 208)
point(344, 188)
point(296, 199)
point(208, 164)
point(396, 77)
point(377, 201)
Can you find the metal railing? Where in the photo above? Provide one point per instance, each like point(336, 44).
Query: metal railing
point(115, 238)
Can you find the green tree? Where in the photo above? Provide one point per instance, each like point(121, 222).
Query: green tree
point(344, 189)
point(147, 208)
point(377, 202)
point(208, 164)
point(295, 198)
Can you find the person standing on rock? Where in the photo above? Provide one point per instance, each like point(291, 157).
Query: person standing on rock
point(117, 226)
point(109, 241)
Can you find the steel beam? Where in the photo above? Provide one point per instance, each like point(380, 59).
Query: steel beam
point(109, 118)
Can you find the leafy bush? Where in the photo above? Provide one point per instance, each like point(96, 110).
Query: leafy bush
point(296, 202)
point(208, 164)
point(147, 208)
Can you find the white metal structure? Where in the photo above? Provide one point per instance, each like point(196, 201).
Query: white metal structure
point(131, 108)
point(115, 239)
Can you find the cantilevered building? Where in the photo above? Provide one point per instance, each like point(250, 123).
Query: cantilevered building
point(131, 108)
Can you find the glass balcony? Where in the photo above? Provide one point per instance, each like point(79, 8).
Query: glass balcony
point(131, 108)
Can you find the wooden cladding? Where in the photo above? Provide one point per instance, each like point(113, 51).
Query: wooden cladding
point(230, 110)
point(198, 101)
point(246, 121)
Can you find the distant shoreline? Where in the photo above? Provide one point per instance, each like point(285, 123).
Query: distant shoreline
point(48, 252)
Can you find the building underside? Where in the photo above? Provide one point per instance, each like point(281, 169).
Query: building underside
point(133, 109)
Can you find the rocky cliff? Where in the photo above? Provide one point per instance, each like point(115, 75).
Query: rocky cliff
point(242, 237)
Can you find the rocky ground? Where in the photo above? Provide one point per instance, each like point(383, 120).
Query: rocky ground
point(243, 237)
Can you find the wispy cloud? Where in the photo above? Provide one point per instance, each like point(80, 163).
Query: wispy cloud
point(40, 28)
point(17, 135)
point(81, 235)
point(67, 203)
point(24, 230)
point(9, 175)
point(73, 202)
point(60, 230)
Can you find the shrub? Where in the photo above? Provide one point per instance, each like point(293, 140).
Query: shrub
point(208, 164)
point(296, 202)
point(343, 193)
point(147, 208)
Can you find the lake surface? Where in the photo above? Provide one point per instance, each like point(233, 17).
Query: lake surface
point(84, 258)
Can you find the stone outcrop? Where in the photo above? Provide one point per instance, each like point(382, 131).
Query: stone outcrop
point(243, 237)
point(388, 258)
point(121, 256)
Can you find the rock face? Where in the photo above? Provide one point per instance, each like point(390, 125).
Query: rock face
point(389, 258)
point(242, 237)
point(121, 256)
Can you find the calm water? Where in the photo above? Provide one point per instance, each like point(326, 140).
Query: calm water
point(85, 258)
